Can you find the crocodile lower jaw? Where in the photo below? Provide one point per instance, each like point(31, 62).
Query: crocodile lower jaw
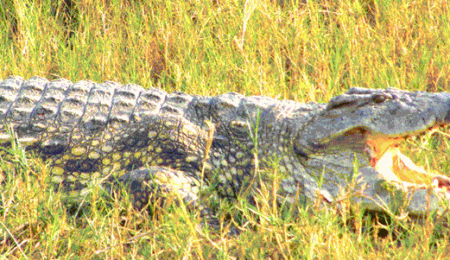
point(387, 160)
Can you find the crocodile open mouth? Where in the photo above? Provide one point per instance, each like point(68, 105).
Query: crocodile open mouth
point(387, 159)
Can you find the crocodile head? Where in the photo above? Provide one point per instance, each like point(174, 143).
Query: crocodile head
point(365, 126)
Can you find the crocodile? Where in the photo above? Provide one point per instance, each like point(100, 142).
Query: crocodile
point(153, 141)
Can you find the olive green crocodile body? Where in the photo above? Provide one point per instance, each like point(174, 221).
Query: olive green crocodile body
point(100, 132)
point(89, 131)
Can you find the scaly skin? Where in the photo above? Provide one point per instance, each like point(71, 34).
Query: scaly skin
point(106, 132)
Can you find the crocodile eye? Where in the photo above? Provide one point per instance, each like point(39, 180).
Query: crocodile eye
point(379, 98)
point(240, 129)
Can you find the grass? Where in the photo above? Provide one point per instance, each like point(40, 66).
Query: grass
point(299, 50)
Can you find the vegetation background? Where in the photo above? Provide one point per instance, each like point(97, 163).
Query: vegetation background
point(287, 49)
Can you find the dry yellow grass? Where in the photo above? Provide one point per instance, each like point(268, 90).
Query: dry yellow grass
point(300, 50)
